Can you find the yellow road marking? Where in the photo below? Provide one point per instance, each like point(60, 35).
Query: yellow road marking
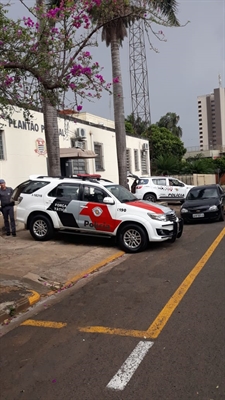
point(158, 324)
point(44, 324)
point(113, 331)
point(34, 298)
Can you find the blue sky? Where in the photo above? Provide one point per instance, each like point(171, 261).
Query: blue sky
point(187, 65)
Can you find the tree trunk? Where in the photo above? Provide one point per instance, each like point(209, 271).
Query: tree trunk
point(118, 102)
point(50, 120)
point(52, 138)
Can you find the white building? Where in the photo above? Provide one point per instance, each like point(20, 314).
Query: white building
point(87, 145)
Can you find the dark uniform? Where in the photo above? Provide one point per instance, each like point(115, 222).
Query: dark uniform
point(7, 209)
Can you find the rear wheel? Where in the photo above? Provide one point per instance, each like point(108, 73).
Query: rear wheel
point(132, 238)
point(150, 197)
point(41, 228)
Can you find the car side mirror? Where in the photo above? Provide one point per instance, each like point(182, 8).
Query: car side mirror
point(108, 200)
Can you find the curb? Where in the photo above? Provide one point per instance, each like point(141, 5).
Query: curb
point(89, 271)
point(26, 302)
point(18, 306)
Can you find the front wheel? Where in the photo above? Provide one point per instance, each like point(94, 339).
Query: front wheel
point(150, 197)
point(41, 228)
point(132, 238)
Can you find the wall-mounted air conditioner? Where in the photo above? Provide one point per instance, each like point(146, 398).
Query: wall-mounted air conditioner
point(145, 146)
point(79, 143)
point(80, 133)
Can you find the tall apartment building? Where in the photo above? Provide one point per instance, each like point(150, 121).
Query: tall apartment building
point(211, 120)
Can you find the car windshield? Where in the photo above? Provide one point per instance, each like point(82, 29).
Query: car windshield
point(205, 193)
point(121, 193)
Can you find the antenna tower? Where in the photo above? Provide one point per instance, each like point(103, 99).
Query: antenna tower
point(139, 73)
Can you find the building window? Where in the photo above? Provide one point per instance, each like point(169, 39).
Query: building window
point(98, 149)
point(128, 160)
point(2, 155)
point(136, 160)
point(144, 162)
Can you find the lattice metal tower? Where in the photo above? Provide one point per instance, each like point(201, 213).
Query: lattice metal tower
point(139, 73)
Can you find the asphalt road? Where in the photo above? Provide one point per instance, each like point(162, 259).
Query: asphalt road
point(150, 328)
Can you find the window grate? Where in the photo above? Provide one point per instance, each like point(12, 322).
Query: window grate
point(2, 155)
point(136, 160)
point(99, 159)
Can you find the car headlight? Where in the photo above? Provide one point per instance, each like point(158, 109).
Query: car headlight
point(183, 210)
point(213, 208)
point(158, 217)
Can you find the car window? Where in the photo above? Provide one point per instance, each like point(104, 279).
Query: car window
point(221, 191)
point(205, 193)
point(121, 193)
point(159, 182)
point(93, 194)
point(66, 190)
point(175, 182)
point(28, 187)
point(142, 181)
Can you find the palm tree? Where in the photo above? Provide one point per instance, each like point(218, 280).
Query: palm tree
point(113, 33)
point(170, 121)
point(115, 17)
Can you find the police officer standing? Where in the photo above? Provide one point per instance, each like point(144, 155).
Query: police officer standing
point(7, 207)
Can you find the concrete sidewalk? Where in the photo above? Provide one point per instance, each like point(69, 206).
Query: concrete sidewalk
point(31, 270)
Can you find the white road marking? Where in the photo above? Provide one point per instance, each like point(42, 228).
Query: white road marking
point(124, 374)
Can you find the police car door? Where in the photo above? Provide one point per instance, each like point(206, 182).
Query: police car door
point(178, 190)
point(160, 187)
point(94, 215)
point(63, 200)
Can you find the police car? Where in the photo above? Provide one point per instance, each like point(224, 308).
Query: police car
point(89, 205)
point(160, 188)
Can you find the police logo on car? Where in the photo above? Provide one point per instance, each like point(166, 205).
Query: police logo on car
point(97, 211)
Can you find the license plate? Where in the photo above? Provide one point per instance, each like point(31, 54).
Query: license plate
point(200, 215)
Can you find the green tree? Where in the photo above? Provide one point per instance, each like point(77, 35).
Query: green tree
point(163, 143)
point(219, 165)
point(166, 165)
point(170, 121)
point(137, 126)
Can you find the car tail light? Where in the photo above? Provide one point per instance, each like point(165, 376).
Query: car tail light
point(138, 187)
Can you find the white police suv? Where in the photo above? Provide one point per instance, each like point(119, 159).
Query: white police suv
point(160, 188)
point(89, 205)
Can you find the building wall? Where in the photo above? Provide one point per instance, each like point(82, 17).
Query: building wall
point(211, 117)
point(25, 151)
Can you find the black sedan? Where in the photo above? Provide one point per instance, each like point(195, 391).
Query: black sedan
point(204, 203)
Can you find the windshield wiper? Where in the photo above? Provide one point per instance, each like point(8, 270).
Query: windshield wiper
point(128, 200)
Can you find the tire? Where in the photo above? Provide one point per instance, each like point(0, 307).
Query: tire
point(132, 238)
point(150, 197)
point(41, 228)
point(221, 217)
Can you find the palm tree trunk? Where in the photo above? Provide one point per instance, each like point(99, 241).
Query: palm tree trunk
point(52, 138)
point(118, 102)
